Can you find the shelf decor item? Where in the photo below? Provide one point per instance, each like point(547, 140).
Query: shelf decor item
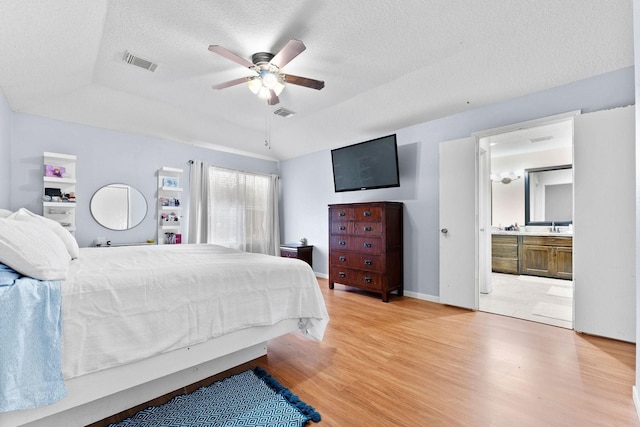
point(54, 171)
point(170, 182)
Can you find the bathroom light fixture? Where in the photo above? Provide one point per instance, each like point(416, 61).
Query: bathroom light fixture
point(541, 139)
point(505, 177)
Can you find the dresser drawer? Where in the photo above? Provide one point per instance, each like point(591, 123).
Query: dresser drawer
point(340, 243)
point(368, 213)
point(302, 252)
point(342, 227)
point(341, 214)
point(288, 252)
point(358, 278)
point(366, 245)
point(367, 228)
point(357, 261)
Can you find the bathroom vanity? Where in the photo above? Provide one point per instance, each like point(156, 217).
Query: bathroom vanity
point(547, 254)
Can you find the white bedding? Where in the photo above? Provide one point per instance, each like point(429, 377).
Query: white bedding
point(124, 304)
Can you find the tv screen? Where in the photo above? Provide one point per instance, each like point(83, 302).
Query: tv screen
point(367, 165)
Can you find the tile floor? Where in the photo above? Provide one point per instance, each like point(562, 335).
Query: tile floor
point(538, 299)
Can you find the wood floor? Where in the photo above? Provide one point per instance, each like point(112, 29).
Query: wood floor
point(415, 363)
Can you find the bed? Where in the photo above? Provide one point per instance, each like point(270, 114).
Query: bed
point(141, 321)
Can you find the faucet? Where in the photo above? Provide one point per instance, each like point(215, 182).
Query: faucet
point(553, 227)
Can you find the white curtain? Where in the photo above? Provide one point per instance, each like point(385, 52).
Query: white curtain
point(199, 202)
point(241, 210)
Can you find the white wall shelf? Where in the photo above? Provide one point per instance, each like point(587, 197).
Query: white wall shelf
point(59, 180)
point(59, 177)
point(169, 206)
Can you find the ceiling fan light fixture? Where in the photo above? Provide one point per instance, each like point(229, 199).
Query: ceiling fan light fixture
point(267, 80)
point(254, 84)
point(264, 93)
point(277, 88)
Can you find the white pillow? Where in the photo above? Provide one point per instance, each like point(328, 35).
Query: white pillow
point(67, 238)
point(5, 213)
point(33, 250)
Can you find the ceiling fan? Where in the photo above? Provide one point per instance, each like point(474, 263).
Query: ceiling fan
point(270, 80)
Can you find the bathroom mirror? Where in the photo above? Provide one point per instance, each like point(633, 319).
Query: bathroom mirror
point(548, 195)
point(118, 206)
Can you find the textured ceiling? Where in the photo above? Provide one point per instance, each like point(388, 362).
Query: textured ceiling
point(386, 65)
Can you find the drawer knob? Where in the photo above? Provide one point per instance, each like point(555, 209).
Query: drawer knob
point(367, 228)
point(367, 213)
point(367, 262)
point(368, 279)
point(342, 243)
point(342, 258)
point(342, 227)
point(367, 245)
point(341, 214)
point(343, 275)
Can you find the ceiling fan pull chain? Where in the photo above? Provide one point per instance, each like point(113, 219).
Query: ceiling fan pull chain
point(267, 132)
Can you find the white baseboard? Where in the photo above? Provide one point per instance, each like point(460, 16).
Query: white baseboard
point(418, 295)
point(636, 400)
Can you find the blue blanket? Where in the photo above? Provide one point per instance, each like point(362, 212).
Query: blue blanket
point(30, 341)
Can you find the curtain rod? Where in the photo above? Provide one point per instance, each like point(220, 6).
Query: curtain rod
point(191, 162)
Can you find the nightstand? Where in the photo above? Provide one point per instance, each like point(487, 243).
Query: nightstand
point(299, 251)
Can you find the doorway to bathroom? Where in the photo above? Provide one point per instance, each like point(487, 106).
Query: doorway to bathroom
point(529, 253)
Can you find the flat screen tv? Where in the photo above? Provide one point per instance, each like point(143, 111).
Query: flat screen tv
point(367, 165)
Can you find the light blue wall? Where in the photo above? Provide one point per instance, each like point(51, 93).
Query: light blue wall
point(5, 152)
point(636, 47)
point(307, 182)
point(105, 157)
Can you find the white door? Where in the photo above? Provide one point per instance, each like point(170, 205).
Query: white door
point(458, 223)
point(604, 252)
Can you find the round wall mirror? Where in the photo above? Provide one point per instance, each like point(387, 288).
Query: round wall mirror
point(118, 206)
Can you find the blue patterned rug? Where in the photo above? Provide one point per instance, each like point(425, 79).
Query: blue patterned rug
point(251, 398)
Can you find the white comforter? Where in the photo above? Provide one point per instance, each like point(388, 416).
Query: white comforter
point(124, 304)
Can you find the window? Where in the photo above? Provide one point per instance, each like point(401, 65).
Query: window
point(243, 210)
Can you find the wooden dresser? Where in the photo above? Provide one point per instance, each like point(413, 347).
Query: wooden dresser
point(365, 246)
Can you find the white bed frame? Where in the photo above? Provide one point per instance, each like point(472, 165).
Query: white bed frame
point(95, 396)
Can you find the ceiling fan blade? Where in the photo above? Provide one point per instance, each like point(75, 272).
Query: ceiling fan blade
point(230, 55)
point(231, 83)
point(303, 81)
point(292, 49)
point(273, 98)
